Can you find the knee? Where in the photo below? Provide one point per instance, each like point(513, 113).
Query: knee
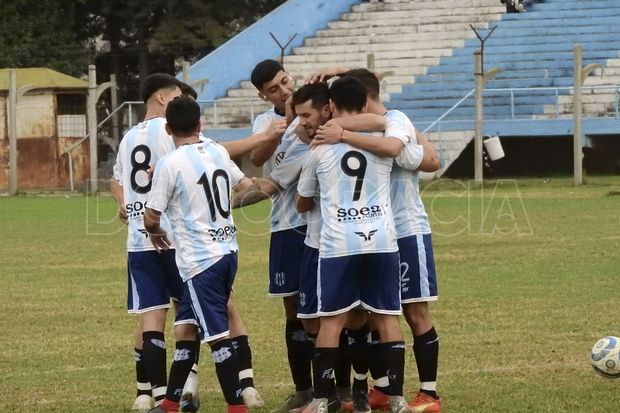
point(417, 314)
point(185, 332)
point(290, 307)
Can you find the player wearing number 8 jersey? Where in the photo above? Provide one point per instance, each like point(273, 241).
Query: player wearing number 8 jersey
point(152, 278)
point(192, 185)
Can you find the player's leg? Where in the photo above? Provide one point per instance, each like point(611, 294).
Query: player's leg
point(380, 294)
point(418, 288)
point(210, 292)
point(285, 253)
point(357, 350)
point(337, 294)
point(144, 400)
point(150, 299)
point(239, 337)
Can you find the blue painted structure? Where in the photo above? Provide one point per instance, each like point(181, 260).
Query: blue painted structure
point(232, 62)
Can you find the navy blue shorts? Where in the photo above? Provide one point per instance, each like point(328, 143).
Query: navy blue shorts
point(418, 279)
point(206, 296)
point(152, 280)
point(308, 303)
point(285, 250)
point(369, 280)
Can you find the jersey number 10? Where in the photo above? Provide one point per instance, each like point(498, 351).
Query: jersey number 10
point(212, 192)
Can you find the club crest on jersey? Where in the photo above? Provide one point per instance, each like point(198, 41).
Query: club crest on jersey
point(367, 237)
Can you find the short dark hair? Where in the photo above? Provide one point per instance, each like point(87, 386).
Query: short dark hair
point(264, 72)
point(155, 82)
point(348, 94)
point(183, 115)
point(368, 79)
point(187, 90)
point(318, 93)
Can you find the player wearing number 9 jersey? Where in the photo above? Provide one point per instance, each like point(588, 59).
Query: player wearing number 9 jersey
point(192, 185)
point(152, 278)
point(358, 253)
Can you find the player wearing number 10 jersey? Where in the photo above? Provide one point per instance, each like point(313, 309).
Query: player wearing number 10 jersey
point(192, 185)
point(152, 278)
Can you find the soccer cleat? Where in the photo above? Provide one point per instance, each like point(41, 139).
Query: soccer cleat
point(295, 401)
point(237, 408)
point(317, 406)
point(251, 398)
point(425, 403)
point(190, 401)
point(333, 403)
point(378, 400)
point(398, 404)
point(143, 403)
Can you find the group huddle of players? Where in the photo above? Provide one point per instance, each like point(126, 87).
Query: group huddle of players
point(350, 248)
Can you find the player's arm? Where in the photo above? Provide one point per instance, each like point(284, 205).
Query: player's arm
point(242, 146)
point(116, 189)
point(308, 184)
point(255, 190)
point(158, 198)
point(263, 152)
point(332, 132)
point(303, 204)
point(157, 234)
point(322, 75)
point(430, 160)
point(362, 122)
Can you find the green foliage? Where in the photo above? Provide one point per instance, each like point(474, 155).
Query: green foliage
point(39, 33)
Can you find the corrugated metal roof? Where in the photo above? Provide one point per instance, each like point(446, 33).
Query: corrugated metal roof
point(41, 77)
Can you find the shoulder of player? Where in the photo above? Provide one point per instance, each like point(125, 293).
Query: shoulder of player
point(397, 116)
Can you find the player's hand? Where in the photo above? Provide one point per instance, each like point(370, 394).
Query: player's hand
point(122, 215)
point(329, 133)
point(160, 242)
point(322, 75)
point(276, 129)
point(289, 110)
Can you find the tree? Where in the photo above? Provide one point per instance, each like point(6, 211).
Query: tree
point(35, 33)
point(193, 28)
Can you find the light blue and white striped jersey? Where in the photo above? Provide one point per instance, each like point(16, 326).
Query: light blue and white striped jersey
point(141, 148)
point(410, 217)
point(286, 174)
point(355, 201)
point(192, 185)
point(284, 215)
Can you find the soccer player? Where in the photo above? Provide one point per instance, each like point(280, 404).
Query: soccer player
point(417, 265)
point(192, 185)
point(358, 253)
point(153, 279)
point(189, 398)
point(288, 228)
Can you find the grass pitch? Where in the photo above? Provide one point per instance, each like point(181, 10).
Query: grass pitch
point(528, 274)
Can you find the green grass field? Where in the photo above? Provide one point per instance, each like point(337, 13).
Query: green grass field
point(529, 280)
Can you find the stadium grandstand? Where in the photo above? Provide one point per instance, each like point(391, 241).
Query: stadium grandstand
point(423, 51)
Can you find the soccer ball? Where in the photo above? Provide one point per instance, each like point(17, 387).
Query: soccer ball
point(605, 357)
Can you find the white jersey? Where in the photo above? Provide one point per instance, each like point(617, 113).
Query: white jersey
point(355, 202)
point(284, 215)
point(192, 185)
point(410, 217)
point(286, 174)
point(141, 148)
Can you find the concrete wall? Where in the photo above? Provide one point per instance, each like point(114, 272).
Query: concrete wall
point(232, 62)
point(40, 163)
